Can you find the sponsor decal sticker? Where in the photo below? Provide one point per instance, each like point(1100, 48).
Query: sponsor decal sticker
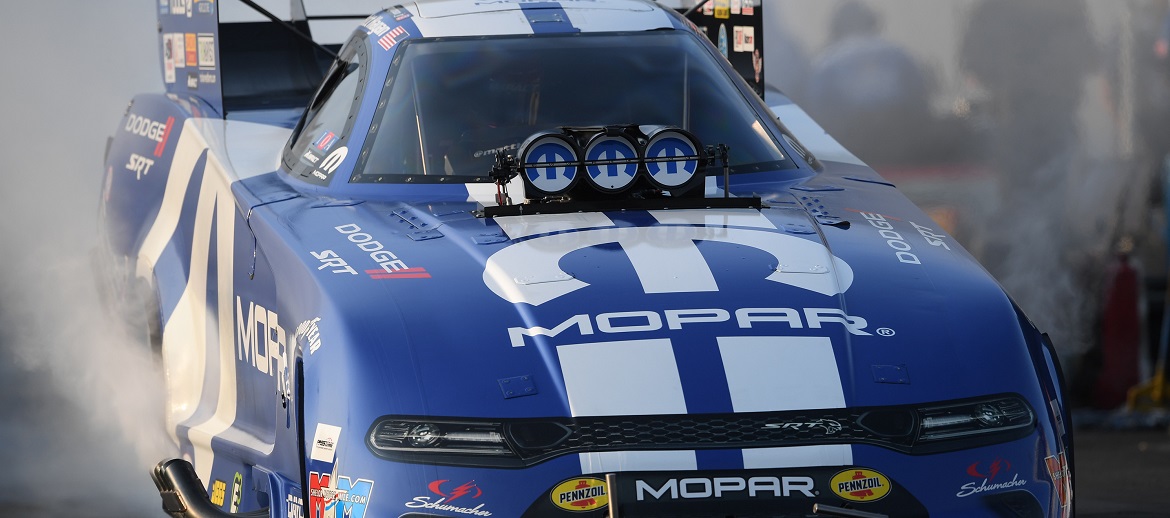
point(467, 488)
point(218, 492)
point(930, 236)
point(179, 50)
point(263, 343)
point(295, 506)
point(168, 58)
point(902, 249)
point(338, 495)
point(330, 259)
point(988, 472)
point(331, 163)
point(391, 266)
point(675, 319)
point(860, 485)
point(399, 13)
point(192, 47)
point(237, 492)
point(159, 132)
point(745, 39)
point(450, 492)
point(310, 333)
point(720, 487)
point(192, 81)
point(722, 8)
point(580, 494)
point(376, 26)
point(1058, 470)
point(139, 164)
point(325, 141)
point(206, 50)
point(325, 442)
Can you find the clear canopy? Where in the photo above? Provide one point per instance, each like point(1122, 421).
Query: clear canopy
point(450, 105)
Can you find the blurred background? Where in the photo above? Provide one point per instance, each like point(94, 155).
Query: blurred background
point(1035, 131)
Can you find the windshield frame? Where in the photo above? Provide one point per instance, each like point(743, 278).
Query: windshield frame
point(765, 125)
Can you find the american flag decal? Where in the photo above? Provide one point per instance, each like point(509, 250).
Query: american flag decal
point(391, 38)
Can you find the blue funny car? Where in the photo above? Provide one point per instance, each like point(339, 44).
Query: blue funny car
point(548, 259)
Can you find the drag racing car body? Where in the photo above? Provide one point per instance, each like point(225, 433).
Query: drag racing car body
point(548, 259)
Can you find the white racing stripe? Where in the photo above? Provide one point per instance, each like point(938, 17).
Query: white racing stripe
point(714, 218)
point(186, 344)
point(523, 226)
point(632, 377)
point(798, 456)
point(614, 461)
point(778, 373)
point(635, 377)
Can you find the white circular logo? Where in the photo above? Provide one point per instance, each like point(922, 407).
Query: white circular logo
point(671, 158)
point(550, 165)
point(612, 162)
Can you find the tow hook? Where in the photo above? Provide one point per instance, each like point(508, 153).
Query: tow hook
point(183, 495)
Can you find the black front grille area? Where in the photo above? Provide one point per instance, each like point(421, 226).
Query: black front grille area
point(516, 443)
point(703, 431)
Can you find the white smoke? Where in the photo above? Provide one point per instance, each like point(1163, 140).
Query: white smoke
point(80, 410)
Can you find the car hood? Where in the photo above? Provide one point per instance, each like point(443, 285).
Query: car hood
point(823, 299)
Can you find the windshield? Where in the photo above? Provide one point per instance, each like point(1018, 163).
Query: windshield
point(450, 106)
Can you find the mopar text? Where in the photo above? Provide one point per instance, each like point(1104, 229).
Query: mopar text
point(719, 487)
point(675, 319)
point(260, 340)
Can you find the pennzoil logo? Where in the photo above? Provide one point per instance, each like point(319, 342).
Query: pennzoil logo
point(580, 494)
point(860, 485)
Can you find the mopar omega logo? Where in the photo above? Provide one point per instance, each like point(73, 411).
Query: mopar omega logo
point(664, 256)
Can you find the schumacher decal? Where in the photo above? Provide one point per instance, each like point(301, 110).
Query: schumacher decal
point(449, 492)
point(988, 473)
